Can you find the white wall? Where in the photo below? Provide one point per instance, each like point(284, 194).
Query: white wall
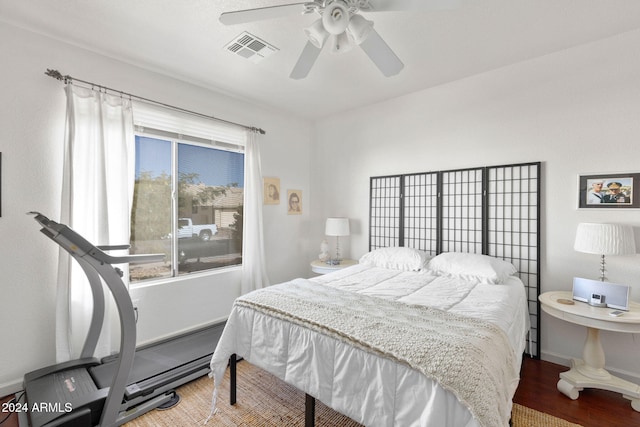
point(576, 111)
point(31, 143)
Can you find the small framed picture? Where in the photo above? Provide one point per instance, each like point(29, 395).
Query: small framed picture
point(609, 191)
point(294, 200)
point(271, 193)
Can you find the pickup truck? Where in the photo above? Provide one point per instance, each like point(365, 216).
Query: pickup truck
point(186, 229)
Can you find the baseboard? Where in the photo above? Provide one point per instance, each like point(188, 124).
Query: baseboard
point(563, 360)
point(180, 332)
point(555, 358)
point(10, 388)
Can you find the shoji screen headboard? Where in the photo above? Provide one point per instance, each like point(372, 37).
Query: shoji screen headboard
point(493, 210)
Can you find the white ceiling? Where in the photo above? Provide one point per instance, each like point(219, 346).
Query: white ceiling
point(184, 39)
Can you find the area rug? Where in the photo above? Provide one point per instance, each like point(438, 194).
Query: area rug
point(266, 401)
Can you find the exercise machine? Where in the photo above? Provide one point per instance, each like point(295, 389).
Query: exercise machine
point(109, 392)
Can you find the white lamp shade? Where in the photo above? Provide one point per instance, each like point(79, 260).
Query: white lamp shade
point(359, 28)
point(605, 239)
point(317, 34)
point(337, 227)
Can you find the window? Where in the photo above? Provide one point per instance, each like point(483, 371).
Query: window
point(188, 204)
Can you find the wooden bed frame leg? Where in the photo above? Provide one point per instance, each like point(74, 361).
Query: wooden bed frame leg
point(232, 382)
point(309, 411)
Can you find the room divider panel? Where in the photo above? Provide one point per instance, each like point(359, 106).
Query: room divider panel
point(492, 210)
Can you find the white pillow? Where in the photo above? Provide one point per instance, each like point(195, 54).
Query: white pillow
point(396, 258)
point(482, 268)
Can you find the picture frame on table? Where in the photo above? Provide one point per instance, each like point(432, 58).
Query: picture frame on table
point(609, 191)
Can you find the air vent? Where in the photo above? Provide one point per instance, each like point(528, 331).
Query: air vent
point(251, 47)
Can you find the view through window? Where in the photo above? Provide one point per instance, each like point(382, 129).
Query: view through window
point(188, 205)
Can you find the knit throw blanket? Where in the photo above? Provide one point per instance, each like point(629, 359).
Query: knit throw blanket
point(471, 358)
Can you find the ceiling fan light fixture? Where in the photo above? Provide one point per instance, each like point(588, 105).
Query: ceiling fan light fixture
point(340, 43)
point(359, 28)
point(335, 18)
point(340, 26)
point(317, 34)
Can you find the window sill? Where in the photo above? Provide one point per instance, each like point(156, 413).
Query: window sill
point(183, 277)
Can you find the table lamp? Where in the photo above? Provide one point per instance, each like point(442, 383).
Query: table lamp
point(336, 227)
point(604, 239)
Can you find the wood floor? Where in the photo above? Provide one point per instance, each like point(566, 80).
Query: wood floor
point(594, 408)
point(8, 419)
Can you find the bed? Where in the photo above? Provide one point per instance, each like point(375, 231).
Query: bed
point(406, 338)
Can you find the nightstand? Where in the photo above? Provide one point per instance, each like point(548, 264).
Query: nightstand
point(589, 371)
point(322, 267)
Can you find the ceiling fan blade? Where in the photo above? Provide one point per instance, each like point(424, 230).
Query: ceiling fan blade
point(308, 57)
point(262, 13)
point(381, 54)
point(400, 5)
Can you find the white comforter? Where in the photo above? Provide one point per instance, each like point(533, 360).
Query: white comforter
point(371, 389)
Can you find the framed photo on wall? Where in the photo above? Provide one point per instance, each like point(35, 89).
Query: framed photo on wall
point(294, 200)
point(271, 193)
point(609, 191)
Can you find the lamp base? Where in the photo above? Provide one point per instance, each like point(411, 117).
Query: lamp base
point(333, 262)
point(603, 270)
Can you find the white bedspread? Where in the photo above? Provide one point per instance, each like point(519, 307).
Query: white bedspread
point(366, 386)
point(504, 305)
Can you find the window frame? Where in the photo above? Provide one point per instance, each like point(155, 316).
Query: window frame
point(175, 139)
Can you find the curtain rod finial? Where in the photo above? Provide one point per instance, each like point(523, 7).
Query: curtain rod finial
point(54, 73)
point(57, 75)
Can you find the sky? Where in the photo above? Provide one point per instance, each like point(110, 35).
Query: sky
point(215, 167)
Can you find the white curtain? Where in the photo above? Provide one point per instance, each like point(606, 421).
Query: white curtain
point(97, 192)
point(254, 275)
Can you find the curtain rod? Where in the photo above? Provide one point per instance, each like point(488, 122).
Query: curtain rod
point(68, 79)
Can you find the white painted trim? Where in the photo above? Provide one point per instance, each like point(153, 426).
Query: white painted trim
point(182, 331)
point(10, 388)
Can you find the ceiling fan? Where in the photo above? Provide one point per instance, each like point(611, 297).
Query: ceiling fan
point(340, 26)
